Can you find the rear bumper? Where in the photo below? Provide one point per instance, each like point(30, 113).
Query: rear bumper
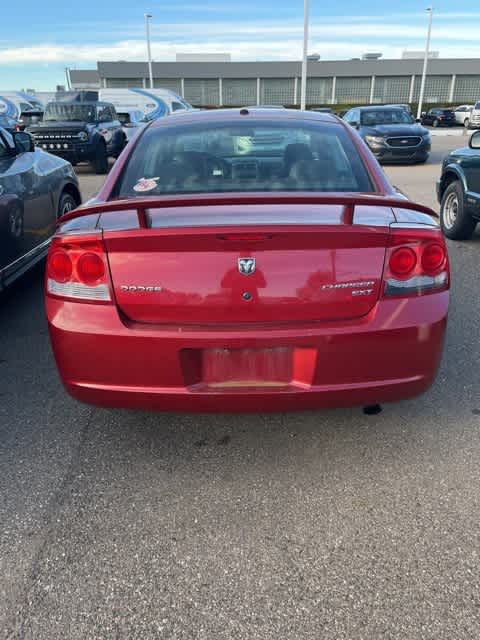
point(389, 355)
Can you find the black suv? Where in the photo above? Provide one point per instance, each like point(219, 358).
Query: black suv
point(458, 191)
point(391, 133)
point(80, 132)
point(439, 118)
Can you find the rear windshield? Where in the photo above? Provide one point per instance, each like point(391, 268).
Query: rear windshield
point(243, 157)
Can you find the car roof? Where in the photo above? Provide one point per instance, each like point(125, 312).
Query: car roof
point(237, 115)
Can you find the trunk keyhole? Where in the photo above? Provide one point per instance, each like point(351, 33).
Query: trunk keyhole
point(246, 295)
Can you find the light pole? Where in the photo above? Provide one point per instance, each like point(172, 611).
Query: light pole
point(425, 62)
point(303, 87)
point(149, 52)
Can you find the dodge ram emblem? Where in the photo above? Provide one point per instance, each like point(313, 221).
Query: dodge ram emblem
point(246, 266)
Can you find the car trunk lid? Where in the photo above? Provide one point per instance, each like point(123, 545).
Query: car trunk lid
point(246, 263)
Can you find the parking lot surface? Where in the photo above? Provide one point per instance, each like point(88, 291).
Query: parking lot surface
point(331, 525)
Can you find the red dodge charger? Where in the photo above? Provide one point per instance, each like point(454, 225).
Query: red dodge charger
point(247, 260)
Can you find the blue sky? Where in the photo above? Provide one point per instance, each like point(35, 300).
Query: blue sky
point(43, 38)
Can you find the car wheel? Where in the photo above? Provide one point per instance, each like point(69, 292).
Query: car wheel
point(435, 123)
point(455, 222)
point(100, 162)
point(466, 122)
point(67, 203)
point(15, 223)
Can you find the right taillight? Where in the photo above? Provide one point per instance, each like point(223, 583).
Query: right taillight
point(77, 269)
point(416, 263)
point(434, 256)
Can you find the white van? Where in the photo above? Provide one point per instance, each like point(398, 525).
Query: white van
point(13, 104)
point(154, 103)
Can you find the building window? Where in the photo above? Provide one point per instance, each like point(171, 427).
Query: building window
point(277, 91)
point(202, 93)
point(319, 90)
point(437, 89)
point(467, 89)
point(391, 89)
point(239, 92)
point(173, 84)
point(124, 83)
point(352, 90)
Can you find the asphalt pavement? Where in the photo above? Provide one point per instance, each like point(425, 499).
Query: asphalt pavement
point(323, 525)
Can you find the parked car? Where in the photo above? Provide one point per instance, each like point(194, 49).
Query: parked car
point(438, 118)
point(212, 275)
point(36, 188)
point(474, 121)
point(81, 132)
point(322, 109)
point(391, 133)
point(29, 118)
point(462, 114)
point(458, 190)
point(131, 120)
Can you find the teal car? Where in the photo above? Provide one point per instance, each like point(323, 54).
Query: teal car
point(458, 191)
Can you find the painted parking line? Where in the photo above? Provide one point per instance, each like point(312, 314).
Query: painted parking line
point(450, 132)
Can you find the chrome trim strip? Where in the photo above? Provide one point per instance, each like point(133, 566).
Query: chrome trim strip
point(414, 225)
point(38, 249)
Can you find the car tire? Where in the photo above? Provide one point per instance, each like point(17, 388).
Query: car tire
point(466, 123)
point(435, 123)
point(455, 222)
point(66, 204)
point(100, 161)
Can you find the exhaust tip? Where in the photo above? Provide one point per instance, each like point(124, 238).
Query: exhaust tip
point(372, 410)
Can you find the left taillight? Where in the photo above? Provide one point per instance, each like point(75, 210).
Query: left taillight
point(416, 263)
point(77, 269)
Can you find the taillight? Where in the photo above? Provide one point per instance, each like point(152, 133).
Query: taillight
point(433, 257)
point(416, 264)
point(59, 266)
point(402, 261)
point(77, 269)
point(90, 268)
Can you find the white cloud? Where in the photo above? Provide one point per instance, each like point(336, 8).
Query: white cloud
point(332, 38)
point(274, 49)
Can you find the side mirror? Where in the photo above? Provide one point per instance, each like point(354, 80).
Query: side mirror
point(474, 142)
point(23, 141)
point(354, 124)
point(424, 113)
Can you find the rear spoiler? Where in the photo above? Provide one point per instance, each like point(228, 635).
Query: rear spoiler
point(348, 201)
